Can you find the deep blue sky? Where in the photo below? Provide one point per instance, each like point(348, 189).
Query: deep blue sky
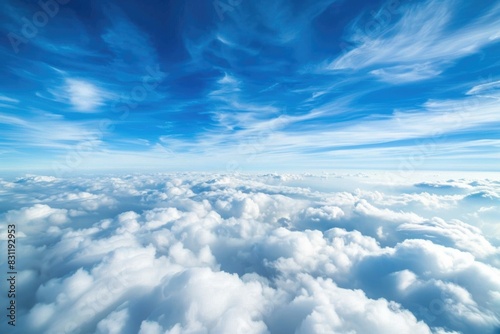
point(250, 85)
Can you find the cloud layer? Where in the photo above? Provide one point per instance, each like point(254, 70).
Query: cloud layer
point(270, 253)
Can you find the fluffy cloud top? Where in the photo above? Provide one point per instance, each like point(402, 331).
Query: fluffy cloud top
point(199, 253)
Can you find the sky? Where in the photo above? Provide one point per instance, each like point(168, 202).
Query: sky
point(237, 166)
point(242, 85)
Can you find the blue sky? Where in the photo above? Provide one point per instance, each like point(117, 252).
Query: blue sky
point(238, 85)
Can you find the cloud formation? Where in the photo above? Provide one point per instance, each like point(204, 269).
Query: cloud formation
point(84, 96)
point(270, 253)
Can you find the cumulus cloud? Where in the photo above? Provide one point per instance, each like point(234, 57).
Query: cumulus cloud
point(200, 253)
point(35, 220)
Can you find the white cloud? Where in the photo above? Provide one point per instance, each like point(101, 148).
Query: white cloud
point(216, 302)
point(115, 323)
point(150, 327)
point(53, 131)
point(336, 310)
point(464, 236)
point(36, 219)
point(84, 200)
point(36, 178)
point(365, 208)
point(418, 37)
point(83, 95)
point(406, 73)
point(4, 98)
point(489, 89)
point(192, 253)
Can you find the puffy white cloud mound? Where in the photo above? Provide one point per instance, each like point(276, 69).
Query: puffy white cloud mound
point(209, 253)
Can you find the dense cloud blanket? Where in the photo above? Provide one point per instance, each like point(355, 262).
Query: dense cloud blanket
point(274, 253)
